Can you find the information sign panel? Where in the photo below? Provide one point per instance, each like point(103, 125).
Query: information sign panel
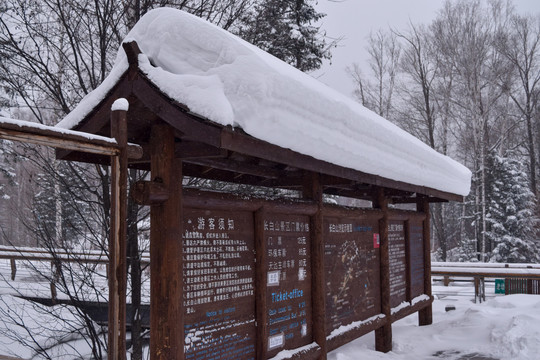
point(288, 292)
point(352, 270)
point(218, 280)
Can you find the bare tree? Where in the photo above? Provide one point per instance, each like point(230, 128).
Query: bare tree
point(376, 90)
point(465, 34)
point(52, 53)
point(521, 46)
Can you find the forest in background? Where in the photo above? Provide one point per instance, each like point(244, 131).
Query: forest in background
point(465, 84)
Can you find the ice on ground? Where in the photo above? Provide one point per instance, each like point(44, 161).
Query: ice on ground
point(230, 82)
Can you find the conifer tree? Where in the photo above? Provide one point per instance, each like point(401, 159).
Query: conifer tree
point(511, 219)
point(287, 30)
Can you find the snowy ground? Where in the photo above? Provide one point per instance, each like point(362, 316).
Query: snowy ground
point(503, 327)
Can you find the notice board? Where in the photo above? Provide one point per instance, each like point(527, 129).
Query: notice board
point(416, 257)
point(218, 274)
point(352, 270)
point(288, 279)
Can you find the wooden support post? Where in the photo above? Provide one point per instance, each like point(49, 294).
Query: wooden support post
point(166, 310)
point(383, 335)
point(118, 238)
point(313, 190)
point(261, 305)
point(425, 316)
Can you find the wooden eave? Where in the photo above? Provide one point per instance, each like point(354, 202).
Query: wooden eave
point(217, 152)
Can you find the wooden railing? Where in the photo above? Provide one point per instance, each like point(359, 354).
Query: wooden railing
point(512, 273)
point(56, 257)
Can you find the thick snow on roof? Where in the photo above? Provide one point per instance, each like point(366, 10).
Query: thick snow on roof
point(225, 79)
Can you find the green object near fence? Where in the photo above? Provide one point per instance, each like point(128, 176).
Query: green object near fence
point(499, 286)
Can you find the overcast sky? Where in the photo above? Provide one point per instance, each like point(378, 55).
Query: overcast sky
point(354, 19)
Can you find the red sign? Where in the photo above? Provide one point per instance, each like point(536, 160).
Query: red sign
point(376, 241)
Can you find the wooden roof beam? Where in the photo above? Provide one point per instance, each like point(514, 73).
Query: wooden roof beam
point(239, 168)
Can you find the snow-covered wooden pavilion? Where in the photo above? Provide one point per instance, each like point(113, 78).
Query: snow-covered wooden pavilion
point(238, 278)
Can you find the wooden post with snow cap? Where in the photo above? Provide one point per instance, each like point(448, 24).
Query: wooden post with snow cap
point(383, 335)
point(118, 233)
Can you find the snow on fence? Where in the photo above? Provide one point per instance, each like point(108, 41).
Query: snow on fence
point(518, 278)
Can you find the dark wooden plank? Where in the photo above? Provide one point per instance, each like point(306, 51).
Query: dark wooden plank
point(360, 213)
point(196, 150)
point(313, 190)
point(404, 312)
point(118, 240)
point(405, 215)
point(215, 200)
point(186, 150)
point(166, 258)
point(303, 353)
point(360, 330)
point(425, 316)
point(383, 335)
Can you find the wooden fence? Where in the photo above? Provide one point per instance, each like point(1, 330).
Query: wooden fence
point(519, 278)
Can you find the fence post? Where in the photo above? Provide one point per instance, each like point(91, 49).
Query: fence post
point(13, 269)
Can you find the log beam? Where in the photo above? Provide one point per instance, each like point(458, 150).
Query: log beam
point(166, 310)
